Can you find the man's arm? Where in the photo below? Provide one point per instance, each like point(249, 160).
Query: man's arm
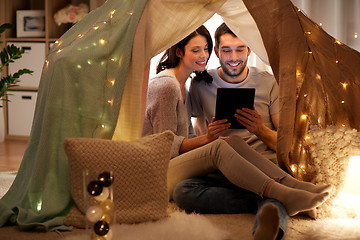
point(199, 125)
point(268, 136)
point(252, 120)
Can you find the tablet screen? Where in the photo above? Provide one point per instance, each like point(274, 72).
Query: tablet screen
point(230, 99)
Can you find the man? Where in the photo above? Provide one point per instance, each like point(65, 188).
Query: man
point(214, 193)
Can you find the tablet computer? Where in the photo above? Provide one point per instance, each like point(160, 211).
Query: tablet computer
point(230, 99)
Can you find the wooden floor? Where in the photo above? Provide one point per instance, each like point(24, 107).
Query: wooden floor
point(11, 154)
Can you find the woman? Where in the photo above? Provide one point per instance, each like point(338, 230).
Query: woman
point(167, 110)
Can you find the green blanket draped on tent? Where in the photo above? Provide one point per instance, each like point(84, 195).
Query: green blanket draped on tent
point(79, 95)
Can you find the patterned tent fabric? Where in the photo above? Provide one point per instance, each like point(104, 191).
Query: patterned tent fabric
point(80, 95)
point(319, 79)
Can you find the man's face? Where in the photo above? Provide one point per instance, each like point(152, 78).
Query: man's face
point(233, 55)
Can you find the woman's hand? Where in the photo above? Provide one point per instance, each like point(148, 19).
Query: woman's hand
point(216, 128)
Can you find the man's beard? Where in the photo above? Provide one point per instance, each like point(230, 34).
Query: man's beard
point(230, 73)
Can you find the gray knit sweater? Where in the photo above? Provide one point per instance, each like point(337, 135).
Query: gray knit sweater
point(166, 110)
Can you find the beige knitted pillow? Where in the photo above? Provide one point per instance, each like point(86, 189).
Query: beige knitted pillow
point(139, 168)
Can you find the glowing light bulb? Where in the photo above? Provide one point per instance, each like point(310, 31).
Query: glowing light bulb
point(355, 35)
point(305, 95)
point(96, 27)
point(342, 101)
point(56, 42)
point(338, 42)
point(337, 61)
point(102, 125)
point(303, 117)
point(47, 62)
point(112, 82)
point(293, 167)
point(112, 13)
point(102, 41)
point(352, 176)
point(78, 66)
point(320, 24)
point(308, 33)
point(39, 206)
point(89, 62)
point(80, 35)
point(307, 137)
point(344, 85)
point(109, 101)
point(59, 51)
point(131, 13)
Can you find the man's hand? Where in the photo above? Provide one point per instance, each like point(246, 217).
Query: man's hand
point(216, 128)
point(250, 118)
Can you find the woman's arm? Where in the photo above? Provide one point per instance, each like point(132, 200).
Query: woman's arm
point(215, 129)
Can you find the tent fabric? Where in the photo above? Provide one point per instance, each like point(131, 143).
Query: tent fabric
point(312, 69)
point(94, 85)
point(80, 94)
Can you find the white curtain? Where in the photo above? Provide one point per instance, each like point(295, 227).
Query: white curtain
point(339, 18)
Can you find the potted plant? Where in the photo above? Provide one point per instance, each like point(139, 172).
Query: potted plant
point(8, 55)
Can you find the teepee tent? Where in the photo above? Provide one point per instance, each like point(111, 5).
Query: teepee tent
point(94, 85)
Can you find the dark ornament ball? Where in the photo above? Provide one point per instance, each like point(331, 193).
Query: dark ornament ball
point(95, 188)
point(101, 228)
point(106, 178)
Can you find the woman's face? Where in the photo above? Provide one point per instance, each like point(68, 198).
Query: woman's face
point(196, 54)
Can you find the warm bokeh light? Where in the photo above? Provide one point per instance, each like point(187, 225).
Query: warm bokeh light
point(352, 180)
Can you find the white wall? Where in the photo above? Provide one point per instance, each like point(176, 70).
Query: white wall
point(339, 18)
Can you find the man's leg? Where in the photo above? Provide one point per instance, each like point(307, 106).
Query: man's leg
point(214, 194)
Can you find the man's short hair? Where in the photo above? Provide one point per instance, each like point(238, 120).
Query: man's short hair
point(221, 30)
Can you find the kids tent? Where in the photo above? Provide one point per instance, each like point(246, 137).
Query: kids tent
point(94, 84)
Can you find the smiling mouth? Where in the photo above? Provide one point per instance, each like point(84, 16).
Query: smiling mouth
point(201, 63)
point(234, 64)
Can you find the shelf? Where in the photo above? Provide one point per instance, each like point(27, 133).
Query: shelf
point(25, 39)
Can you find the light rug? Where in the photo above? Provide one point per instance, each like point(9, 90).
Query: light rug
point(335, 229)
point(6, 179)
point(177, 226)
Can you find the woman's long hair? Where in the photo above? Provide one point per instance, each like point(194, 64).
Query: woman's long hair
point(171, 60)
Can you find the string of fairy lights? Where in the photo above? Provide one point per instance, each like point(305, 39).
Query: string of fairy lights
point(59, 48)
point(300, 76)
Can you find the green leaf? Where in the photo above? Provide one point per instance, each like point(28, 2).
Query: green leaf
point(5, 26)
point(8, 55)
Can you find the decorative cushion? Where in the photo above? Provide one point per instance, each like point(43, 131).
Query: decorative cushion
point(140, 175)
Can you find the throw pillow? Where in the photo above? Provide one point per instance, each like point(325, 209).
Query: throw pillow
point(140, 175)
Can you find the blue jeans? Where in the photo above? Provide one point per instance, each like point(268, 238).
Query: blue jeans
point(214, 194)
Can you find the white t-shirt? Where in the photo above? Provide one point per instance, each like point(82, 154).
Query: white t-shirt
point(203, 101)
